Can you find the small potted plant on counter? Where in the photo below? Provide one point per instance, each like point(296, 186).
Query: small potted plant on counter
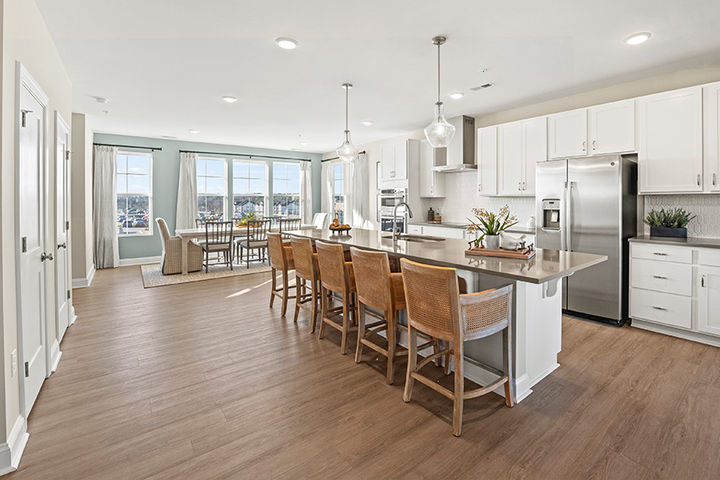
point(490, 224)
point(669, 223)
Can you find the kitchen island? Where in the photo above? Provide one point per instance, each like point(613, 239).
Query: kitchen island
point(537, 297)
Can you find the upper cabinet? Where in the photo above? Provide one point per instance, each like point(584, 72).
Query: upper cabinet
point(567, 134)
point(487, 160)
point(393, 164)
point(611, 128)
point(608, 128)
point(431, 184)
point(519, 146)
point(670, 141)
point(711, 125)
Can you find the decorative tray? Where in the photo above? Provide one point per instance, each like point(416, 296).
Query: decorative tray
point(523, 253)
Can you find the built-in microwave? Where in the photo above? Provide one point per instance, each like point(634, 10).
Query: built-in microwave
point(388, 199)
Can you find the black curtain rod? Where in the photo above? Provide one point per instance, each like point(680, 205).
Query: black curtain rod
point(249, 155)
point(338, 158)
point(127, 146)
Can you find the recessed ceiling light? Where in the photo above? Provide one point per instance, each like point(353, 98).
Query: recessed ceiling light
point(169, 137)
point(193, 131)
point(457, 95)
point(368, 123)
point(286, 43)
point(638, 38)
point(100, 99)
point(229, 98)
point(302, 144)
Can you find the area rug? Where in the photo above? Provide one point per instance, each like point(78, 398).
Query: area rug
point(152, 275)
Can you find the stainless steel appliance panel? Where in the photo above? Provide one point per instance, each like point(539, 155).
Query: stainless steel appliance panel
point(550, 184)
point(594, 213)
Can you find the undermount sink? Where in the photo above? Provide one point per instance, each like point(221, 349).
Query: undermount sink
point(417, 238)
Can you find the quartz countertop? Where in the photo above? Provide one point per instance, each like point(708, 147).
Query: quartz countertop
point(686, 242)
point(515, 229)
point(544, 266)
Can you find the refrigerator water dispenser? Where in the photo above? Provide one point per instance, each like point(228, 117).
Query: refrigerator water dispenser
point(551, 213)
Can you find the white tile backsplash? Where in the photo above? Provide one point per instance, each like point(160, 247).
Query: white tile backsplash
point(706, 207)
point(461, 196)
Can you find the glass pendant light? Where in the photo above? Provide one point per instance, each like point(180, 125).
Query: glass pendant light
point(439, 133)
point(347, 151)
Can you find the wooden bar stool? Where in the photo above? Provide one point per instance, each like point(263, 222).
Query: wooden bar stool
point(379, 288)
point(336, 276)
point(436, 307)
point(281, 258)
point(306, 270)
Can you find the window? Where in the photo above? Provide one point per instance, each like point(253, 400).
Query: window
point(249, 189)
point(286, 189)
point(339, 192)
point(134, 193)
point(211, 186)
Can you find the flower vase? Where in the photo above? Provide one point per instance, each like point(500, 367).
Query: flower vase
point(492, 242)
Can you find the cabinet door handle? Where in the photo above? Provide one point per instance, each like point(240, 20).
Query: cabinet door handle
point(659, 277)
point(594, 143)
point(660, 254)
point(702, 281)
point(699, 178)
point(584, 145)
point(714, 180)
point(519, 185)
point(660, 308)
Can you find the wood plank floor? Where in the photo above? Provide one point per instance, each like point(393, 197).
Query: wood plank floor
point(203, 380)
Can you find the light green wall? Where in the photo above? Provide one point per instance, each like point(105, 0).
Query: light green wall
point(165, 182)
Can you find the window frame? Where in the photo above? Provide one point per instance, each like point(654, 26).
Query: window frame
point(334, 194)
point(299, 194)
point(150, 231)
point(224, 160)
point(266, 177)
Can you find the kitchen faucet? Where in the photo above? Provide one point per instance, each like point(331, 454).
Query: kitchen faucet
point(395, 233)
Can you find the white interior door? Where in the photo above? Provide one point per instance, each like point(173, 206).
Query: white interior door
point(62, 257)
point(32, 256)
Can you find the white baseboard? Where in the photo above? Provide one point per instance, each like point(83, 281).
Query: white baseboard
point(12, 450)
point(55, 355)
point(125, 262)
point(84, 282)
point(73, 315)
point(676, 332)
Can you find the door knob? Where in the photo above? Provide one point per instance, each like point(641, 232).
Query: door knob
point(62, 245)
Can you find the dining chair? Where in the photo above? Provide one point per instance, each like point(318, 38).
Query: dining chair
point(288, 224)
point(319, 220)
point(218, 239)
point(436, 307)
point(255, 239)
point(281, 258)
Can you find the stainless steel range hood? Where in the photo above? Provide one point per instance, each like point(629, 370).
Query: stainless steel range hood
point(460, 155)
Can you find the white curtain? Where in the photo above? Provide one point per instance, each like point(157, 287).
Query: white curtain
point(327, 189)
point(359, 200)
point(105, 230)
point(306, 191)
point(187, 209)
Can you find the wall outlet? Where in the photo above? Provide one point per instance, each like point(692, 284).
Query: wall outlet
point(13, 363)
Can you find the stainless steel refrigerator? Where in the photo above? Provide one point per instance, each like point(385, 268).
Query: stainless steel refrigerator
point(590, 205)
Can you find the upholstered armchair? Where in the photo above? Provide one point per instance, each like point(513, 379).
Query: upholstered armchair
point(171, 260)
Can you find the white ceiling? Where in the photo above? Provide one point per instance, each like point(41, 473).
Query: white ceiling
point(165, 63)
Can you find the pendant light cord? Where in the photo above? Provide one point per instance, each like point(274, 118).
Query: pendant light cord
point(438, 74)
point(347, 93)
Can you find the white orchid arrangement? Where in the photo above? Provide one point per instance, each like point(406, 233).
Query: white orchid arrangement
point(491, 223)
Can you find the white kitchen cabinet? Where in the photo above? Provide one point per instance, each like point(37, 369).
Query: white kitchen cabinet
point(711, 138)
point(487, 161)
point(567, 134)
point(611, 128)
point(444, 232)
point(520, 146)
point(708, 299)
point(393, 163)
point(414, 229)
point(510, 158)
point(670, 141)
point(431, 184)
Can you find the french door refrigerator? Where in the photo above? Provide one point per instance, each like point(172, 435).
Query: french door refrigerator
point(590, 205)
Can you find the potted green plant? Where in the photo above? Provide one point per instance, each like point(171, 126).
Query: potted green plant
point(669, 223)
point(490, 224)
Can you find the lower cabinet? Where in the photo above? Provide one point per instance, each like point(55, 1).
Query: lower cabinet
point(677, 287)
point(708, 299)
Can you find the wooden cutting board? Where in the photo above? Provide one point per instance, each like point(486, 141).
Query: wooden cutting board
point(523, 254)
